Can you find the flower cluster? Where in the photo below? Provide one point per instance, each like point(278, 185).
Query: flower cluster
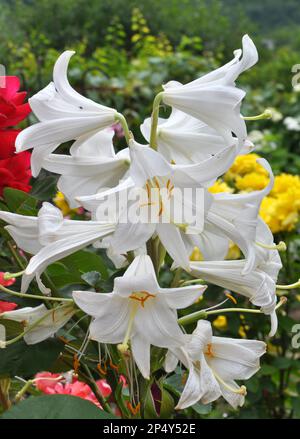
point(280, 209)
point(191, 149)
point(14, 169)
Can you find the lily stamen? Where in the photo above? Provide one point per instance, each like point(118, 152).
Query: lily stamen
point(141, 296)
point(240, 391)
point(124, 346)
point(102, 370)
point(209, 351)
point(281, 246)
point(289, 287)
point(267, 114)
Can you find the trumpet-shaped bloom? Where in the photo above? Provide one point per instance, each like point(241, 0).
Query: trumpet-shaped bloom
point(50, 237)
point(92, 166)
point(183, 139)
point(149, 171)
point(214, 364)
point(236, 216)
point(45, 323)
point(138, 313)
point(213, 98)
point(64, 115)
point(259, 285)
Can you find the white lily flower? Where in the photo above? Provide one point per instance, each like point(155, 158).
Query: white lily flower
point(214, 364)
point(92, 166)
point(149, 170)
point(64, 115)
point(50, 237)
point(183, 139)
point(259, 285)
point(45, 322)
point(236, 217)
point(138, 313)
point(213, 98)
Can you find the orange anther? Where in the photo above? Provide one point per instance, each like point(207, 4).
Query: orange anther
point(103, 371)
point(209, 351)
point(113, 366)
point(134, 410)
point(76, 363)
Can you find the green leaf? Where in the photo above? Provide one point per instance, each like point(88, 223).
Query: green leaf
point(202, 409)
point(267, 369)
point(20, 202)
point(70, 269)
point(282, 362)
point(167, 404)
point(92, 278)
point(44, 188)
point(56, 407)
point(26, 360)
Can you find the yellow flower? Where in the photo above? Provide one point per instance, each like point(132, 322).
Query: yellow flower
point(268, 210)
point(62, 204)
point(220, 322)
point(245, 164)
point(284, 183)
point(220, 186)
point(251, 182)
point(281, 209)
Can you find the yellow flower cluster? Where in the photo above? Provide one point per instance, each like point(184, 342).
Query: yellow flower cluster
point(281, 208)
point(246, 174)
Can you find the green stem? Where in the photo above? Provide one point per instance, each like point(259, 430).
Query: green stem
point(194, 317)
point(16, 256)
point(154, 120)
point(8, 276)
point(121, 119)
point(23, 390)
point(33, 296)
point(96, 390)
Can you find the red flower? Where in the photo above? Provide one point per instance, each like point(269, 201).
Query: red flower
point(7, 143)
point(12, 107)
point(6, 282)
point(15, 172)
point(14, 169)
point(7, 306)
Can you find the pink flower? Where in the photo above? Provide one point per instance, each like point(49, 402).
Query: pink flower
point(46, 380)
point(53, 384)
point(122, 379)
point(104, 388)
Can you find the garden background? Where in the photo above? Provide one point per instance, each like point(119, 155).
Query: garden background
point(125, 50)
